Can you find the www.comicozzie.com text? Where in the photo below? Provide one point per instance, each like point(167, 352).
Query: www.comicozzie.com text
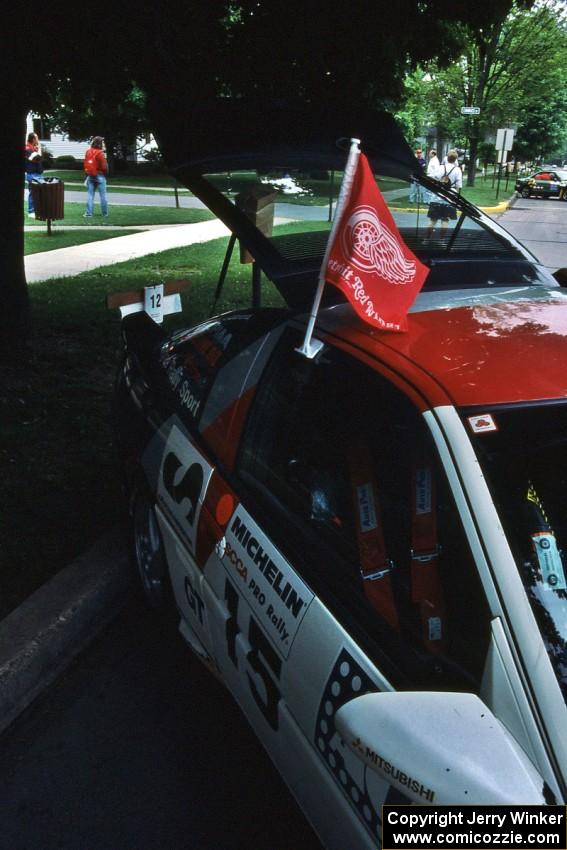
point(475, 827)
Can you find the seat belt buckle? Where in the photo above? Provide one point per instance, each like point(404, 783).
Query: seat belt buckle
point(425, 557)
point(378, 574)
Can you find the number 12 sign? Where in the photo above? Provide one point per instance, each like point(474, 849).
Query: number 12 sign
point(153, 302)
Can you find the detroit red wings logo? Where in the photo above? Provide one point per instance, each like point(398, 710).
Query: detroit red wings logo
point(372, 247)
point(368, 259)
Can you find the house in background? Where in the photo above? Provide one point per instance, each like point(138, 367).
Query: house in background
point(59, 144)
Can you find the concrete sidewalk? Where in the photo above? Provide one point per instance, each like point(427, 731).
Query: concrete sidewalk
point(40, 638)
point(66, 262)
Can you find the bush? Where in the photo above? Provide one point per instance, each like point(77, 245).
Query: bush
point(120, 165)
point(128, 166)
point(67, 161)
point(46, 157)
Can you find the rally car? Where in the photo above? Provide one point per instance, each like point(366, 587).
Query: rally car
point(547, 183)
point(367, 544)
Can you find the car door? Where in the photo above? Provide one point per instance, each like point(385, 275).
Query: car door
point(554, 185)
point(545, 184)
point(327, 584)
point(197, 384)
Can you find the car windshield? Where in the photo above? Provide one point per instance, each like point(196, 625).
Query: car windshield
point(525, 463)
point(293, 209)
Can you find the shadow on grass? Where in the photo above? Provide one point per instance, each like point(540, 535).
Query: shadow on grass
point(61, 477)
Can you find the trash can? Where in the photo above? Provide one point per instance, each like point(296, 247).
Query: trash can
point(49, 199)
point(257, 203)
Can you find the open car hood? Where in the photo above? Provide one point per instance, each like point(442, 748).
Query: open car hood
point(236, 135)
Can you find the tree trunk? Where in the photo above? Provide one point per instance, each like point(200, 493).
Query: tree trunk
point(14, 307)
point(473, 154)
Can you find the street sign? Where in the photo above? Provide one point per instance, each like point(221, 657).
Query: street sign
point(504, 139)
point(470, 110)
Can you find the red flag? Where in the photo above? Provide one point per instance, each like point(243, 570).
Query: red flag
point(369, 262)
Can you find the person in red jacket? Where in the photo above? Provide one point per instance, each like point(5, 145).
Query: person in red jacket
point(33, 167)
point(96, 168)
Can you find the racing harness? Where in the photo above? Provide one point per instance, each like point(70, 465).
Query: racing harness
point(375, 565)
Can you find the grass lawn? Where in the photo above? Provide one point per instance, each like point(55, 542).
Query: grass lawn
point(160, 181)
point(57, 465)
point(36, 242)
point(483, 194)
point(128, 215)
point(319, 185)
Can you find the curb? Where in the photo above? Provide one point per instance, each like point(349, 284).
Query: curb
point(39, 639)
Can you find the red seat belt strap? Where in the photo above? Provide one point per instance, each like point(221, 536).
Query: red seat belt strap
point(375, 566)
point(426, 588)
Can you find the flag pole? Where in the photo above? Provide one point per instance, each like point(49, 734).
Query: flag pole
point(310, 349)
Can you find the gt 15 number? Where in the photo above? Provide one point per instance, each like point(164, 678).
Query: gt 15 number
point(262, 659)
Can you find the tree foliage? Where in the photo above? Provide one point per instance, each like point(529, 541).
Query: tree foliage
point(512, 69)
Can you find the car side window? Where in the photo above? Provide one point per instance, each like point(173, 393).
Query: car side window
point(341, 453)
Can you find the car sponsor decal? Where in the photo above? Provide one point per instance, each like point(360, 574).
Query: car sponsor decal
point(481, 424)
point(187, 393)
point(549, 560)
point(260, 662)
point(423, 491)
point(224, 508)
point(274, 592)
point(366, 507)
point(194, 600)
point(183, 479)
point(373, 758)
point(189, 373)
point(365, 790)
point(211, 346)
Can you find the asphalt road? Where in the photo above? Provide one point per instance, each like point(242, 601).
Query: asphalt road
point(541, 225)
point(137, 747)
point(297, 211)
point(153, 199)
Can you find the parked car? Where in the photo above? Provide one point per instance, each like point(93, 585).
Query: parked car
point(367, 546)
point(546, 183)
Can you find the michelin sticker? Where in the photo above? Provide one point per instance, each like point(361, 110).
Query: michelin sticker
point(183, 480)
point(274, 592)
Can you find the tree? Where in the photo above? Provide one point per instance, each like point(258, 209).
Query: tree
point(507, 69)
point(514, 67)
point(543, 130)
point(60, 41)
point(113, 109)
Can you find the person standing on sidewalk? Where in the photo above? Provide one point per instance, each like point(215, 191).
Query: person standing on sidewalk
point(96, 169)
point(33, 166)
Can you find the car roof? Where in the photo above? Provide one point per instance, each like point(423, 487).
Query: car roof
point(473, 348)
point(556, 169)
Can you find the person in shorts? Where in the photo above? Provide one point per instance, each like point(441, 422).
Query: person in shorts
point(451, 176)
